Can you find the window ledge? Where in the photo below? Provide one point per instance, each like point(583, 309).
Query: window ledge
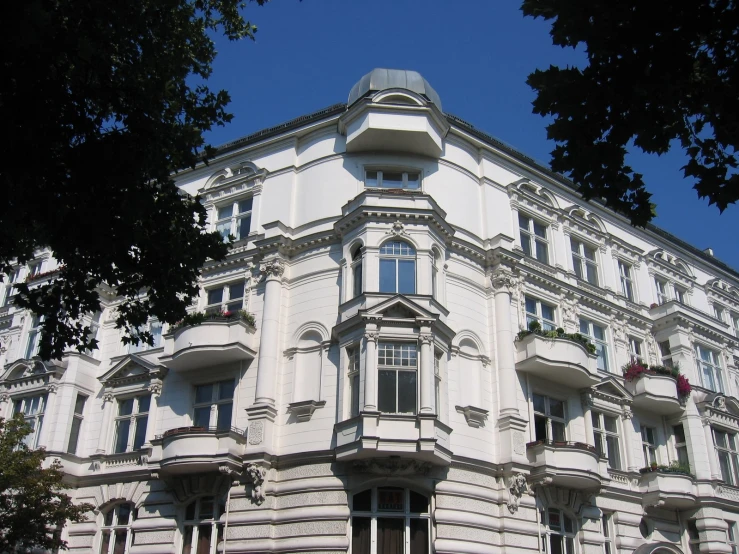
point(475, 416)
point(303, 410)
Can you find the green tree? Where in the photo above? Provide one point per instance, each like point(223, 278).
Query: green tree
point(100, 103)
point(33, 506)
point(658, 73)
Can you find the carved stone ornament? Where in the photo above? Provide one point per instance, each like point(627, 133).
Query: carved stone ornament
point(52, 388)
point(372, 336)
point(516, 487)
point(503, 279)
point(4, 397)
point(393, 467)
point(475, 416)
point(720, 403)
point(256, 432)
point(426, 339)
point(256, 476)
point(273, 268)
point(398, 229)
point(108, 397)
point(155, 388)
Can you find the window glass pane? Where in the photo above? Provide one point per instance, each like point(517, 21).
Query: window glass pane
point(206, 507)
point(589, 253)
point(407, 392)
point(414, 180)
point(371, 179)
point(74, 435)
point(124, 513)
point(540, 230)
point(357, 280)
point(611, 424)
point(554, 519)
point(578, 267)
point(542, 252)
point(245, 205)
point(362, 501)
point(387, 276)
point(555, 543)
point(558, 430)
point(679, 432)
point(120, 541)
point(243, 226)
point(79, 404)
point(225, 212)
point(407, 276)
point(204, 535)
point(557, 408)
point(125, 407)
point(144, 403)
point(530, 305)
point(723, 459)
point(419, 531)
point(386, 391)
point(419, 503)
point(140, 433)
point(526, 244)
point(539, 403)
point(361, 535)
point(224, 416)
point(235, 290)
point(392, 180)
point(215, 296)
point(523, 222)
point(121, 440)
point(202, 417)
point(226, 390)
point(105, 542)
point(592, 274)
point(614, 458)
point(190, 511)
point(203, 393)
point(540, 428)
point(595, 418)
point(547, 312)
point(390, 499)
point(390, 535)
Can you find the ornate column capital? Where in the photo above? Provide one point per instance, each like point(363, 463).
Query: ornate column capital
point(108, 397)
point(272, 269)
point(426, 339)
point(155, 388)
point(503, 279)
point(52, 388)
point(372, 336)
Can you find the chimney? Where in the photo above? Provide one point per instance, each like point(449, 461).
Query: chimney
point(708, 251)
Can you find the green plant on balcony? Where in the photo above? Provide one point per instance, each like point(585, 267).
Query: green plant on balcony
point(634, 371)
point(675, 467)
point(558, 333)
point(198, 318)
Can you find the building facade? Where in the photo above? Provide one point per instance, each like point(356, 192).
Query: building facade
point(420, 341)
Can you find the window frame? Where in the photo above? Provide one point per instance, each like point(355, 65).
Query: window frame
point(549, 418)
point(537, 315)
point(625, 274)
point(714, 366)
point(580, 259)
point(234, 219)
point(214, 404)
point(730, 450)
point(143, 346)
point(114, 526)
point(133, 419)
point(226, 304)
point(546, 532)
point(405, 180)
point(353, 375)
point(397, 369)
point(635, 349)
point(78, 417)
point(34, 419)
point(197, 521)
point(650, 450)
point(533, 239)
point(604, 342)
point(681, 446)
point(732, 536)
point(397, 259)
point(601, 434)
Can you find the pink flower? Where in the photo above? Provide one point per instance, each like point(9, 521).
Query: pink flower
point(683, 386)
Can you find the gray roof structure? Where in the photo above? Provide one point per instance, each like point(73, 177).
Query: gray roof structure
point(383, 79)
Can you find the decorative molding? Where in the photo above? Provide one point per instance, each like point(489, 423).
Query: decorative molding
point(516, 487)
point(426, 338)
point(475, 416)
point(392, 467)
point(398, 229)
point(256, 432)
point(304, 410)
point(257, 476)
point(372, 336)
point(273, 268)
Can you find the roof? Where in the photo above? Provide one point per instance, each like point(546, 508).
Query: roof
point(383, 79)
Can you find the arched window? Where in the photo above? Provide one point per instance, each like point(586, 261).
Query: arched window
point(397, 267)
point(469, 373)
point(117, 535)
point(357, 271)
point(203, 531)
point(557, 532)
point(396, 520)
point(308, 368)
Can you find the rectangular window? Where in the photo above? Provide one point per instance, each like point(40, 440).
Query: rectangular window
point(74, 433)
point(731, 537)
point(627, 285)
point(735, 322)
point(608, 547)
point(34, 337)
point(35, 269)
point(408, 180)
point(234, 219)
point(357, 278)
point(680, 295)
point(13, 277)
point(728, 457)
point(214, 405)
point(533, 235)
point(663, 294)
point(681, 445)
point(709, 368)
point(352, 354)
point(225, 298)
point(131, 422)
point(397, 377)
point(153, 327)
point(605, 429)
point(549, 419)
point(584, 262)
point(635, 350)
point(666, 353)
point(719, 313)
point(437, 383)
point(32, 408)
point(649, 445)
point(597, 335)
point(397, 268)
point(536, 310)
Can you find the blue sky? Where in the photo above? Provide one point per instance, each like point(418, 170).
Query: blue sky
point(475, 53)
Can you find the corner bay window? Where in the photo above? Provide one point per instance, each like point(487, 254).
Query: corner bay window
point(536, 310)
point(117, 535)
point(605, 431)
point(549, 419)
point(393, 180)
point(709, 368)
point(597, 335)
point(352, 354)
point(214, 405)
point(234, 219)
point(728, 456)
point(397, 377)
point(203, 531)
point(131, 422)
point(558, 532)
point(32, 408)
point(397, 268)
point(390, 520)
point(584, 262)
point(533, 237)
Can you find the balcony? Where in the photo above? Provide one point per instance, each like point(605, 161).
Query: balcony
point(665, 489)
point(558, 360)
point(372, 434)
point(572, 465)
point(213, 342)
point(197, 449)
point(656, 393)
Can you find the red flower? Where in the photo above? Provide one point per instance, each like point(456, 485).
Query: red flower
point(227, 314)
point(634, 371)
point(683, 386)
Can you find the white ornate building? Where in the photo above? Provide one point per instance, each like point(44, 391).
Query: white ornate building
point(381, 401)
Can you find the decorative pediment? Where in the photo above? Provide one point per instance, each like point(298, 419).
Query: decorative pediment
point(671, 263)
point(232, 181)
point(609, 393)
point(28, 374)
point(399, 307)
point(723, 290)
point(132, 369)
point(722, 411)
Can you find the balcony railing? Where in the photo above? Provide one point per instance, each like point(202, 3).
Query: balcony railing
point(563, 444)
point(195, 429)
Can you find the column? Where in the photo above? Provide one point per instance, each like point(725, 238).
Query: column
point(103, 439)
point(156, 390)
point(269, 339)
point(50, 418)
point(427, 371)
point(587, 403)
point(503, 281)
point(628, 426)
point(370, 369)
point(711, 450)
